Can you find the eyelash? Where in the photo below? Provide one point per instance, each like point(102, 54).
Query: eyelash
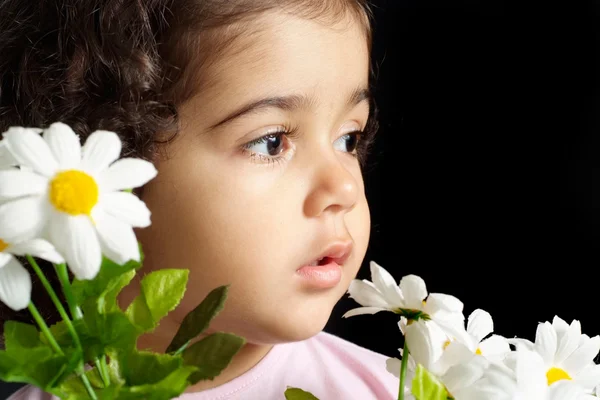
point(364, 138)
point(287, 131)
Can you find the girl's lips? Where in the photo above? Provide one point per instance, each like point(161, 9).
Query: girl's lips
point(325, 270)
point(323, 276)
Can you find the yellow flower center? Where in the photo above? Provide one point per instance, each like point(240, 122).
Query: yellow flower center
point(73, 192)
point(478, 351)
point(3, 245)
point(556, 374)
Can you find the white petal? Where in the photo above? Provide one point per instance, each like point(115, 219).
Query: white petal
point(363, 311)
point(6, 159)
point(545, 342)
point(494, 348)
point(443, 302)
point(386, 284)
point(455, 330)
point(126, 207)
point(455, 353)
point(560, 325)
point(393, 366)
point(565, 390)
point(127, 173)
point(15, 183)
point(117, 239)
point(15, 285)
point(366, 295)
point(497, 375)
point(37, 248)
point(530, 372)
point(589, 378)
point(402, 324)
point(76, 239)
point(30, 150)
point(5, 257)
point(425, 342)
point(65, 145)
point(462, 375)
point(100, 150)
point(582, 357)
point(414, 291)
point(22, 219)
point(568, 340)
point(480, 324)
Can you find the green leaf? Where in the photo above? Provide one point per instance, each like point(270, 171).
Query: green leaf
point(28, 359)
point(113, 330)
point(212, 354)
point(426, 386)
point(37, 366)
point(161, 292)
point(18, 335)
point(170, 387)
point(102, 291)
point(293, 393)
point(144, 367)
point(199, 318)
point(98, 332)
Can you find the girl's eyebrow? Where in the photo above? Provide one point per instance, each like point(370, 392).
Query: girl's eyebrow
point(289, 103)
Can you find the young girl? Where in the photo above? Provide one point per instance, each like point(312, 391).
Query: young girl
point(257, 115)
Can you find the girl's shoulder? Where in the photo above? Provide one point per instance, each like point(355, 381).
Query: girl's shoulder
point(349, 368)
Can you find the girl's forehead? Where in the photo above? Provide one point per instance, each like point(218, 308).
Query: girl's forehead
point(292, 55)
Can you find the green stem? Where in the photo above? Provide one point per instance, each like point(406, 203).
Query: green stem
point(55, 300)
point(403, 371)
point(88, 386)
point(68, 323)
point(63, 277)
point(45, 330)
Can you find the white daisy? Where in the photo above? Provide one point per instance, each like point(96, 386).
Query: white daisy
point(15, 282)
point(409, 299)
point(566, 352)
point(73, 195)
point(479, 340)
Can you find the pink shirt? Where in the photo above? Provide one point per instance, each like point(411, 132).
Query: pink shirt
point(329, 367)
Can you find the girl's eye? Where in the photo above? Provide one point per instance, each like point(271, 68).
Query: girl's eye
point(271, 145)
point(347, 142)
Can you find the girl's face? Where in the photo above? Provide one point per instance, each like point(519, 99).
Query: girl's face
point(262, 179)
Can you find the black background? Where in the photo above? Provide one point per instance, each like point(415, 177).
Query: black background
point(485, 175)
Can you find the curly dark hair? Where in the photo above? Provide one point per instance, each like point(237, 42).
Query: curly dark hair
point(123, 66)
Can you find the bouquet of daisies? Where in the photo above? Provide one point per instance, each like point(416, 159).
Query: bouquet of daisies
point(73, 206)
point(443, 359)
